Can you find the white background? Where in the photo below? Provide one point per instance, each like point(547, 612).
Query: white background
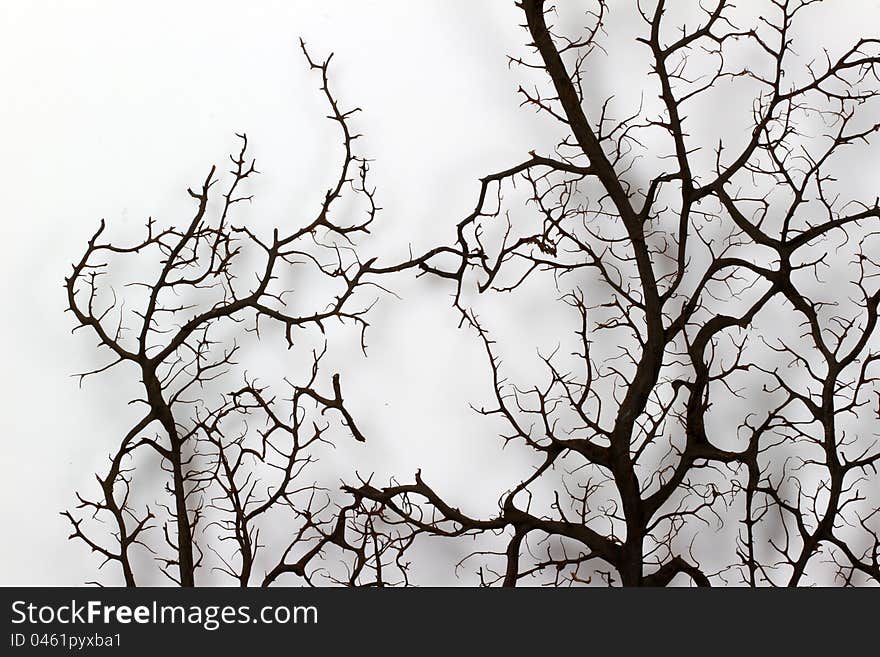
point(111, 109)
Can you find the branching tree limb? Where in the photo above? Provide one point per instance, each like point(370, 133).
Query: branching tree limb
point(202, 282)
point(644, 463)
point(702, 285)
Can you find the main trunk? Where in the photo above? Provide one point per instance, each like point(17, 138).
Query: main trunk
point(186, 565)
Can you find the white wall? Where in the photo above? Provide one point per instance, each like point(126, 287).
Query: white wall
point(111, 109)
